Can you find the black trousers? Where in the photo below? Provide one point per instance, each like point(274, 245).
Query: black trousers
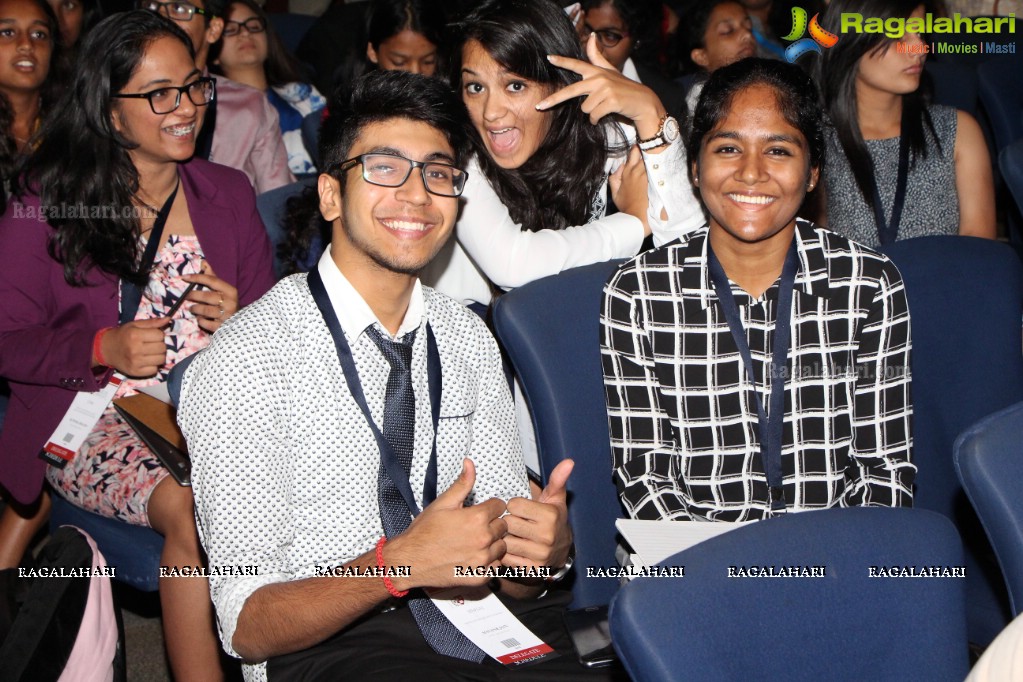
point(388, 647)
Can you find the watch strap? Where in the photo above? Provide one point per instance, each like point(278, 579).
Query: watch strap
point(658, 139)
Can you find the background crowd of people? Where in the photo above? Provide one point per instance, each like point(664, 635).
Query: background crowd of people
point(590, 140)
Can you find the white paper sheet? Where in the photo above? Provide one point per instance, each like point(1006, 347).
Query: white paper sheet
point(654, 541)
point(158, 391)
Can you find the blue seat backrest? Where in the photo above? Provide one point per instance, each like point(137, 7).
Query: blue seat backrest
point(1011, 163)
point(291, 27)
point(272, 208)
point(966, 301)
point(989, 460)
point(955, 85)
point(844, 626)
point(311, 135)
point(550, 330)
point(1001, 91)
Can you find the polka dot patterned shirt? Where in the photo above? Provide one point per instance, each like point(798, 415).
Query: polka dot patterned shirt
point(284, 464)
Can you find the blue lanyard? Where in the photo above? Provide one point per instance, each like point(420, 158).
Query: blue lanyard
point(769, 427)
point(388, 456)
point(888, 232)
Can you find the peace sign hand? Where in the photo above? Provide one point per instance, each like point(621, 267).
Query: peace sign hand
point(606, 91)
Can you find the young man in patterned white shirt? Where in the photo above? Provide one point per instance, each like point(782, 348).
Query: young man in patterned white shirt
point(292, 448)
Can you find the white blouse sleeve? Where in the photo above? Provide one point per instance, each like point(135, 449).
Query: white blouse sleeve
point(668, 189)
point(511, 256)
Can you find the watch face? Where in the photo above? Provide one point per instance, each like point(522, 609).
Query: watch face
point(670, 129)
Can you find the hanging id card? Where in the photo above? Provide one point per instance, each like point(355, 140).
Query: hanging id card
point(488, 624)
point(78, 422)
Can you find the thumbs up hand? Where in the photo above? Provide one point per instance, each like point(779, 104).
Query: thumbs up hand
point(449, 534)
point(538, 530)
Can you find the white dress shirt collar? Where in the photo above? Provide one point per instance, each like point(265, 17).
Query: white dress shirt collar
point(351, 308)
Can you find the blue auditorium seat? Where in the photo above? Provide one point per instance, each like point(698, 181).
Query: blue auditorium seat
point(844, 627)
point(1011, 163)
point(550, 330)
point(966, 300)
point(989, 460)
point(1001, 91)
point(955, 85)
point(291, 28)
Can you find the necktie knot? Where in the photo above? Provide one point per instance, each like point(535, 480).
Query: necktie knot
point(397, 353)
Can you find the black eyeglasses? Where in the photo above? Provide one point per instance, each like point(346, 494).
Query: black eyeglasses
point(179, 11)
point(168, 99)
point(390, 170)
point(606, 37)
point(252, 25)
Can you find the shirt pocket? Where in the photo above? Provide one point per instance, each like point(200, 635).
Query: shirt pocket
point(454, 435)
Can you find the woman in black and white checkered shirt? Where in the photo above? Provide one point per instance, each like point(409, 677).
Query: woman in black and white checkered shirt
point(688, 440)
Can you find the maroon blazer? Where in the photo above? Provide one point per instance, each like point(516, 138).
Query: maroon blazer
point(47, 326)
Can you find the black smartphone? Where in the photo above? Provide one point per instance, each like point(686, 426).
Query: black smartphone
point(591, 636)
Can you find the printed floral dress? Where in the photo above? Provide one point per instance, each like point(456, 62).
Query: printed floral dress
point(114, 473)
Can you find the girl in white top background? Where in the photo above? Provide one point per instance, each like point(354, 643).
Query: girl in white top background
point(554, 134)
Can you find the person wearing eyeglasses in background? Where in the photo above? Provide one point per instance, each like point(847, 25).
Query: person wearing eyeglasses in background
point(250, 52)
point(242, 129)
point(112, 222)
point(627, 34)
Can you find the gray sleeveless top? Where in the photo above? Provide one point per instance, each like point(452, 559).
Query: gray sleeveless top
point(931, 206)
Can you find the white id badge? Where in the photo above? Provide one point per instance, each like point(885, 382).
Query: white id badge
point(488, 623)
point(78, 422)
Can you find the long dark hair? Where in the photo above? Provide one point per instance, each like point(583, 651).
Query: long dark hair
point(280, 66)
point(555, 187)
point(83, 162)
point(836, 74)
point(795, 91)
point(91, 15)
point(9, 156)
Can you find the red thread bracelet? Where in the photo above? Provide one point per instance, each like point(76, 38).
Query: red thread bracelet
point(97, 346)
point(380, 564)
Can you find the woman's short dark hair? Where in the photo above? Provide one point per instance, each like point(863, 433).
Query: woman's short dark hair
point(837, 70)
point(797, 101)
point(280, 66)
point(82, 161)
point(552, 189)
